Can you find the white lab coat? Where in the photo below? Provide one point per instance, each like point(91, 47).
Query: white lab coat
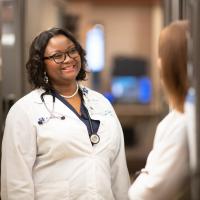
point(165, 176)
point(55, 160)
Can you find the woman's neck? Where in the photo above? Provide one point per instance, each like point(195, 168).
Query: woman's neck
point(176, 105)
point(67, 89)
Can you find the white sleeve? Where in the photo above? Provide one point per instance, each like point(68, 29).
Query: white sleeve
point(166, 168)
point(18, 156)
point(120, 175)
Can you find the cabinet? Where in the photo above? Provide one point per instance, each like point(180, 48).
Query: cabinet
point(139, 124)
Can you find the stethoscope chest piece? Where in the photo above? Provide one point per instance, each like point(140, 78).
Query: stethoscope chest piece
point(94, 138)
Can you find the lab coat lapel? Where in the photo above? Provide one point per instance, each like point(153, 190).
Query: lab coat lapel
point(59, 107)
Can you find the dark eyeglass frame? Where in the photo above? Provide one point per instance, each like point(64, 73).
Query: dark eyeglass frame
point(65, 54)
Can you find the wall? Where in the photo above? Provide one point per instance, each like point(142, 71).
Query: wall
point(39, 16)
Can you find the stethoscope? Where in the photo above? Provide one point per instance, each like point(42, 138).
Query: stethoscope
point(94, 137)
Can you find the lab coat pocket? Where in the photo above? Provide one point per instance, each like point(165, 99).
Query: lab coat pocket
point(52, 190)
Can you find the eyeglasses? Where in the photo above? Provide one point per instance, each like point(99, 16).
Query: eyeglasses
point(61, 56)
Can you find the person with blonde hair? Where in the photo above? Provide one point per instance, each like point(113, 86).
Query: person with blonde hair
point(166, 173)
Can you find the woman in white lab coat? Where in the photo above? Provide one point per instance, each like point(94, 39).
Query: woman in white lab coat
point(165, 176)
point(62, 141)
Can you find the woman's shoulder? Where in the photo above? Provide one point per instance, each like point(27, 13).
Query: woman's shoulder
point(173, 118)
point(27, 100)
point(173, 126)
point(97, 101)
point(93, 94)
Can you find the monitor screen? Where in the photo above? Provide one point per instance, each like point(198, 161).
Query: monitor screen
point(131, 89)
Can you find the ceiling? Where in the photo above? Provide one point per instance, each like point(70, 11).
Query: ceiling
point(120, 2)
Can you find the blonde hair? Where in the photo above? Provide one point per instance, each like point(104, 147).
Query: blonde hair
point(173, 55)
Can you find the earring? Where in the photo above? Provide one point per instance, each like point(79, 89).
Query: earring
point(46, 79)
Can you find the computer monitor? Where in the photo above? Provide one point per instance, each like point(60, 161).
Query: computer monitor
point(131, 89)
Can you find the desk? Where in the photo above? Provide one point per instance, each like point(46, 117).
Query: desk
point(129, 113)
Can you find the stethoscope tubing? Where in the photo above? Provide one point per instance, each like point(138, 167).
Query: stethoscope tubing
point(94, 137)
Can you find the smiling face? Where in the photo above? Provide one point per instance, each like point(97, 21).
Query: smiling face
point(64, 73)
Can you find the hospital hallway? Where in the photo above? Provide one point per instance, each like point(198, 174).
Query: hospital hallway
point(121, 42)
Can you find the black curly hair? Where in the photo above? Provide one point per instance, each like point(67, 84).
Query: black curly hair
point(35, 65)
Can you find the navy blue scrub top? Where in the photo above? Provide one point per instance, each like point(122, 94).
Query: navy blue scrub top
point(84, 116)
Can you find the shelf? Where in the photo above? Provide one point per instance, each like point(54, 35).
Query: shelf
point(130, 110)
